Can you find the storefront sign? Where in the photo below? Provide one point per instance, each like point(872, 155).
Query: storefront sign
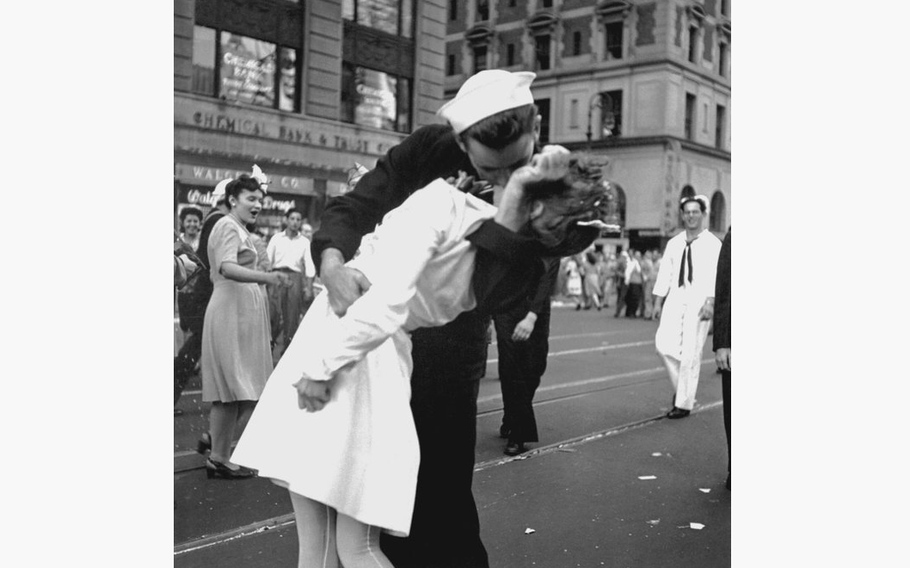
point(203, 175)
point(202, 197)
point(309, 136)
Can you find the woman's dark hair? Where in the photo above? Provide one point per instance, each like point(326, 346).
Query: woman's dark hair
point(187, 211)
point(584, 176)
point(503, 128)
point(291, 211)
point(244, 182)
point(580, 195)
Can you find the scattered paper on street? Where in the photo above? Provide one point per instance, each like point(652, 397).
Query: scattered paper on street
point(644, 477)
point(696, 526)
point(654, 522)
point(529, 530)
point(704, 490)
point(656, 454)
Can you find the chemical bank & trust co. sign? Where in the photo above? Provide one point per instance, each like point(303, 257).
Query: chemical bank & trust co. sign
point(307, 136)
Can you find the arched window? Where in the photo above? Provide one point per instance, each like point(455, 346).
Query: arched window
point(687, 191)
point(620, 204)
point(718, 213)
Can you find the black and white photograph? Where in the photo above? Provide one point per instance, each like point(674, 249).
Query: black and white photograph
point(454, 296)
point(451, 284)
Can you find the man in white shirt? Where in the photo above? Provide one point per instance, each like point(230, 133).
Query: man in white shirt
point(289, 252)
point(684, 302)
point(633, 281)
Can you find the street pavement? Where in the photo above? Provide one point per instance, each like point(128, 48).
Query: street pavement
point(611, 482)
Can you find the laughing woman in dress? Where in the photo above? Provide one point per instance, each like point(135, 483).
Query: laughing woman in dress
point(236, 357)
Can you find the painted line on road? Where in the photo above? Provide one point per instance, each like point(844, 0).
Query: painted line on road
point(288, 519)
point(590, 349)
point(585, 382)
point(240, 532)
point(586, 438)
point(552, 354)
point(577, 335)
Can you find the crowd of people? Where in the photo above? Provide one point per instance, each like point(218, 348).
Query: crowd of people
point(603, 279)
point(368, 417)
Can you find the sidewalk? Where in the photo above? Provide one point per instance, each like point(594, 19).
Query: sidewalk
point(579, 504)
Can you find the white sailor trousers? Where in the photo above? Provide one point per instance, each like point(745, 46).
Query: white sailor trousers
point(680, 340)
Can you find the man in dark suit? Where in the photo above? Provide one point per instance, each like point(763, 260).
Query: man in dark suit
point(722, 334)
point(522, 337)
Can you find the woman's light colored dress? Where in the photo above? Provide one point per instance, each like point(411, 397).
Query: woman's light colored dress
point(360, 453)
point(236, 350)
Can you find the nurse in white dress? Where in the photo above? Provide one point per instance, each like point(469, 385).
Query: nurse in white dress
point(351, 468)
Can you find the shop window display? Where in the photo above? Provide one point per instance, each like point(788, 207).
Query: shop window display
point(243, 69)
point(377, 99)
point(395, 17)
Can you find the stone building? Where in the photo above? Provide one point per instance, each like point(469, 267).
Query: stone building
point(303, 88)
point(646, 82)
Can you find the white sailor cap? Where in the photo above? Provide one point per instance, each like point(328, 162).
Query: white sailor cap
point(487, 93)
point(703, 200)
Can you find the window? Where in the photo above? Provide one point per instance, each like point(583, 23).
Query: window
point(450, 64)
point(377, 99)
point(510, 55)
point(547, 3)
point(722, 60)
point(480, 58)
point(542, 52)
point(718, 213)
point(453, 10)
point(287, 85)
point(395, 17)
point(576, 43)
point(725, 7)
point(483, 10)
point(620, 211)
point(573, 114)
point(720, 127)
point(613, 33)
point(243, 69)
point(704, 116)
point(693, 44)
point(543, 109)
point(203, 80)
point(690, 116)
point(611, 113)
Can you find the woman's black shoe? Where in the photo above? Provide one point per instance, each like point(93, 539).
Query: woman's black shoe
point(218, 470)
point(515, 448)
point(205, 443)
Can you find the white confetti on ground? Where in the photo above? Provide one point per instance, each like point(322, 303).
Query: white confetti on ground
point(645, 477)
point(704, 490)
point(529, 530)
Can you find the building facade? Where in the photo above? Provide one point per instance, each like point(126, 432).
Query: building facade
point(302, 88)
point(645, 82)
